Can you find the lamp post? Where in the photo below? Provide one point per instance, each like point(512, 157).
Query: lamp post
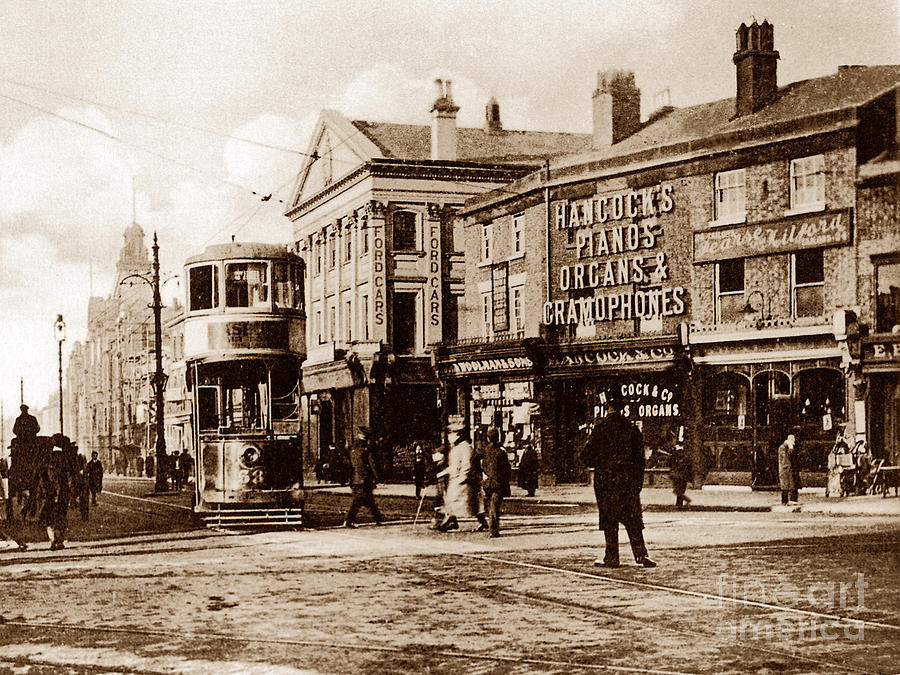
point(159, 378)
point(60, 330)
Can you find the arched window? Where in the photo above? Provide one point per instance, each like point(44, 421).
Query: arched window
point(820, 398)
point(769, 387)
point(726, 399)
point(405, 231)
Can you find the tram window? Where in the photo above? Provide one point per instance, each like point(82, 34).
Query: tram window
point(282, 288)
point(246, 285)
point(208, 407)
point(204, 287)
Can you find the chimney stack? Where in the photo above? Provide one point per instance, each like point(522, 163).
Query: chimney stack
point(757, 62)
point(443, 123)
point(492, 123)
point(617, 107)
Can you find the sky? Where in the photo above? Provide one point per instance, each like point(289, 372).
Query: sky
point(119, 111)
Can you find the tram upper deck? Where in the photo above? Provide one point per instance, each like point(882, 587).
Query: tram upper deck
point(244, 299)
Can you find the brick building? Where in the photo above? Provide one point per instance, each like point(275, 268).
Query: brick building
point(709, 263)
point(372, 216)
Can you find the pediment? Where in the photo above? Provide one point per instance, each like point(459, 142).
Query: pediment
point(337, 148)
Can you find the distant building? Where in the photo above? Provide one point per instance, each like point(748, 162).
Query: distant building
point(373, 219)
point(108, 379)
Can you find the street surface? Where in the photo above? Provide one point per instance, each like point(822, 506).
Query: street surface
point(733, 593)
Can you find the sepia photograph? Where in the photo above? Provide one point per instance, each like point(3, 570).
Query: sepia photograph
point(461, 336)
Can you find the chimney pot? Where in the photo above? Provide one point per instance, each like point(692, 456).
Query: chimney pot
point(756, 64)
point(617, 107)
point(443, 123)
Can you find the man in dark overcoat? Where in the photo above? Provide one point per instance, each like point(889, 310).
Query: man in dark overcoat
point(363, 479)
point(56, 488)
point(615, 450)
point(95, 476)
point(495, 465)
point(26, 425)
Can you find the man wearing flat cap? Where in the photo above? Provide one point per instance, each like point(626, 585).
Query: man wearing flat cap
point(615, 450)
point(364, 478)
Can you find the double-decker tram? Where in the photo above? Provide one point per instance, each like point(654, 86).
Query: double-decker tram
point(244, 341)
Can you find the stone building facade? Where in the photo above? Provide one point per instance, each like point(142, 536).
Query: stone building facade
point(712, 264)
point(373, 219)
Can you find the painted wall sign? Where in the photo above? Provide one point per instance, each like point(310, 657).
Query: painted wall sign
point(375, 218)
point(813, 230)
point(611, 357)
point(490, 365)
point(617, 254)
point(645, 400)
point(881, 352)
point(433, 289)
point(645, 202)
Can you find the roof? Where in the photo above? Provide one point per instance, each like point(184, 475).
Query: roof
point(413, 141)
point(241, 250)
point(672, 132)
point(850, 87)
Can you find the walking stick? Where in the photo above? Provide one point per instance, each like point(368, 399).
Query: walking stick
point(419, 510)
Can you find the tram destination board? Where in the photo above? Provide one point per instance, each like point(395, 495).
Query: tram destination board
point(248, 335)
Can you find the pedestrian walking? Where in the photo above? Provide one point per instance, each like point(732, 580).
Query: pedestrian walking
point(615, 450)
point(56, 489)
point(785, 469)
point(95, 476)
point(186, 463)
point(11, 532)
point(80, 490)
point(495, 465)
point(463, 483)
point(680, 469)
point(363, 479)
point(420, 469)
point(527, 477)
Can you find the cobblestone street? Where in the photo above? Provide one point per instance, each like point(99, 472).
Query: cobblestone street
point(734, 592)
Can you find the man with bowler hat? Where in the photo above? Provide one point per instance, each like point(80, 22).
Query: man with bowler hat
point(615, 450)
point(364, 477)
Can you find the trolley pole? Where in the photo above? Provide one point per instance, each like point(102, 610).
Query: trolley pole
point(159, 378)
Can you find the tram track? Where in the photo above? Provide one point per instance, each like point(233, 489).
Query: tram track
point(495, 591)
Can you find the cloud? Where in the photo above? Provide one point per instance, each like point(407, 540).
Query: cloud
point(387, 92)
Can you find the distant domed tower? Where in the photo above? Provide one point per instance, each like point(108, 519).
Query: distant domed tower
point(133, 258)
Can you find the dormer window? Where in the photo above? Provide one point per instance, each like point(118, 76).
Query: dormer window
point(808, 183)
point(406, 230)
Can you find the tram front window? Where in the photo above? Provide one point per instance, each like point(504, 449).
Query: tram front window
point(246, 285)
point(287, 289)
point(204, 287)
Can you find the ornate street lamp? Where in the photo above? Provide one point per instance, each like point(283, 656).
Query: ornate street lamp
point(159, 378)
point(60, 331)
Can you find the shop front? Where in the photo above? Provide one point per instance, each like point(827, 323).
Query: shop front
point(651, 376)
point(494, 385)
point(881, 369)
point(753, 391)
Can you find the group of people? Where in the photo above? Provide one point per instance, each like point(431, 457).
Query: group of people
point(46, 476)
point(472, 485)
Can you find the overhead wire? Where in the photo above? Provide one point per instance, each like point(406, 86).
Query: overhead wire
point(156, 118)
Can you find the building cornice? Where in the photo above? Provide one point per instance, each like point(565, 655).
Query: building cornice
point(470, 172)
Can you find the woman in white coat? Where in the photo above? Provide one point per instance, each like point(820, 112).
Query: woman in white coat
point(463, 482)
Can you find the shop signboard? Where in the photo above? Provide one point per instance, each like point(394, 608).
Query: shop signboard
point(813, 230)
point(620, 269)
